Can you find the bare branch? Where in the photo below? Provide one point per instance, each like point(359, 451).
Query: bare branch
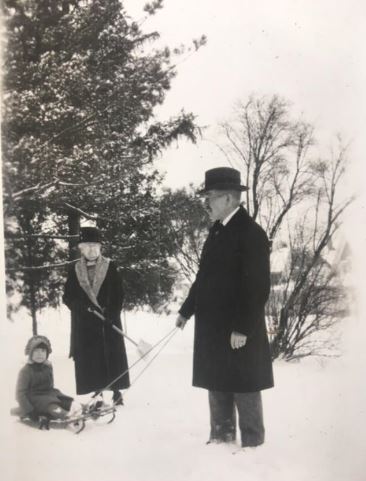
point(36, 188)
point(84, 214)
point(44, 267)
point(39, 236)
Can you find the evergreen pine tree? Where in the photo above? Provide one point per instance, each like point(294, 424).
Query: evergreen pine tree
point(79, 135)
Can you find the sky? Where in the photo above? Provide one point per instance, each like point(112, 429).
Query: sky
point(310, 52)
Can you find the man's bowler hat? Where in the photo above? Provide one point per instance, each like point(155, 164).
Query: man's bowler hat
point(222, 178)
point(89, 234)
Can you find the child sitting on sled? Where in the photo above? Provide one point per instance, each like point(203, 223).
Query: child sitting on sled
point(35, 392)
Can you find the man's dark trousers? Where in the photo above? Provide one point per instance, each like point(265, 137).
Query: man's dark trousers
point(223, 407)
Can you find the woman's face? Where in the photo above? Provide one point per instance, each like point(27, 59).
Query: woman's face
point(90, 250)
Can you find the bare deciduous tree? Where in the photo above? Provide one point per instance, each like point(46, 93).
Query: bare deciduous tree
point(271, 151)
point(275, 154)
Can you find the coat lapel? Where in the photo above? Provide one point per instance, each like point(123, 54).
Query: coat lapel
point(101, 269)
point(100, 274)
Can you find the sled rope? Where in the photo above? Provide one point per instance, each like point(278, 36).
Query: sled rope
point(170, 334)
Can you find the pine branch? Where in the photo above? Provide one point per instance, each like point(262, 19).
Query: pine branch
point(35, 188)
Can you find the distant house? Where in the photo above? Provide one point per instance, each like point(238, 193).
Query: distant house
point(337, 256)
point(280, 261)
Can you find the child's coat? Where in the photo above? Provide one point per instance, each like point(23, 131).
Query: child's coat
point(35, 390)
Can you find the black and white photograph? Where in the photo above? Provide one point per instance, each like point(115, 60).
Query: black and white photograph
point(183, 232)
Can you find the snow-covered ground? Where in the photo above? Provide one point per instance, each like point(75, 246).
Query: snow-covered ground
point(315, 418)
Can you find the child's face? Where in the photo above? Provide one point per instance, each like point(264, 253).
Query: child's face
point(39, 355)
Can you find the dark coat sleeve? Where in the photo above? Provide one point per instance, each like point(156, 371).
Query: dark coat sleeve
point(68, 297)
point(22, 390)
point(78, 303)
point(255, 281)
point(188, 306)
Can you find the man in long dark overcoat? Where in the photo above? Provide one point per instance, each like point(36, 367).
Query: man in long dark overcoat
point(231, 350)
point(94, 285)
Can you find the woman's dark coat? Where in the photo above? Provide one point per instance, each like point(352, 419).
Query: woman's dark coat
point(35, 390)
point(98, 350)
point(229, 294)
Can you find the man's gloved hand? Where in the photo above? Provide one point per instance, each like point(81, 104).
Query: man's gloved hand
point(181, 321)
point(237, 340)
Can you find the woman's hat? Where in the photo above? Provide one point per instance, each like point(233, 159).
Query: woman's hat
point(89, 234)
point(222, 178)
point(37, 341)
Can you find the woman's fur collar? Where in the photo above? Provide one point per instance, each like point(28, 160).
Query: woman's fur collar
point(101, 269)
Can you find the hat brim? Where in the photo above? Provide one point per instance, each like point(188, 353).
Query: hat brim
point(89, 242)
point(223, 186)
point(35, 344)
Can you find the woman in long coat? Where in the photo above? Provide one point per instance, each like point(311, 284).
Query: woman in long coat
point(99, 352)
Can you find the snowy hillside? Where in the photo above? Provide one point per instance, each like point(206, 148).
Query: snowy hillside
point(315, 418)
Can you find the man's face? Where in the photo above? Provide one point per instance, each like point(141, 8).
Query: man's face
point(217, 204)
point(90, 250)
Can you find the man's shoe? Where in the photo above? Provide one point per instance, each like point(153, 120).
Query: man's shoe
point(226, 438)
point(252, 447)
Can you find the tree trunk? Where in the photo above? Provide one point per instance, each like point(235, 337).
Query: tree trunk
point(30, 280)
point(74, 229)
point(33, 307)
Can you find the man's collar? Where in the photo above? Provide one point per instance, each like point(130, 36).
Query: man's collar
point(226, 220)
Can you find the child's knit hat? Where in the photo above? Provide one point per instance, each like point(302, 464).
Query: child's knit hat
point(37, 341)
